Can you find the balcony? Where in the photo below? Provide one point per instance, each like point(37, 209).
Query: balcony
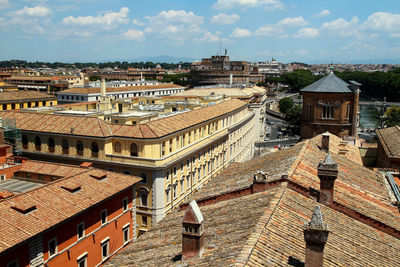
point(65, 151)
point(51, 149)
point(95, 154)
point(79, 152)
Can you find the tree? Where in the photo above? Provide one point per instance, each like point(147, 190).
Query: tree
point(392, 116)
point(285, 104)
point(298, 79)
point(293, 117)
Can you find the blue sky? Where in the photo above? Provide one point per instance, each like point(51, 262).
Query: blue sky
point(255, 30)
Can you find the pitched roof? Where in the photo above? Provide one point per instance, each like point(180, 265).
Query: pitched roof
point(168, 125)
point(48, 123)
point(50, 168)
point(14, 96)
point(54, 199)
point(358, 224)
point(96, 90)
point(390, 140)
point(328, 84)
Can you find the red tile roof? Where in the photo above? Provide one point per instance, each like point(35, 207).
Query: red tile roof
point(363, 224)
point(96, 90)
point(390, 140)
point(53, 199)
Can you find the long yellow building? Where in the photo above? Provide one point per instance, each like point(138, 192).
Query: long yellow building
point(174, 155)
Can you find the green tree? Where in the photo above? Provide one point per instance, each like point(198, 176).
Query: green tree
point(293, 117)
point(285, 104)
point(298, 79)
point(392, 116)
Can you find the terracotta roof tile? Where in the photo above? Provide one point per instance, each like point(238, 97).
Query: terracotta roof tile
point(15, 96)
point(390, 140)
point(96, 90)
point(60, 203)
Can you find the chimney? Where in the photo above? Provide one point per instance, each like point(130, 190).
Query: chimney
point(193, 232)
point(325, 141)
point(103, 87)
point(259, 182)
point(316, 235)
point(327, 173)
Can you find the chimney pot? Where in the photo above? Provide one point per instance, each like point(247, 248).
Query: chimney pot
point(316, 235)
point(325, 141)
point(327, 173)
point(259, 182)
point(193, 232)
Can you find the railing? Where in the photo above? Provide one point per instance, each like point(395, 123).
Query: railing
point(65, 151)
point(51, 149)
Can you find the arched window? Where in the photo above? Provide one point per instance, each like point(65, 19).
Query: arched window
point(79, 148)
point(24, 142)
point(38, 143)
point(134, 150)
point(117, 147)
point(95, 150)
point(143, 196)
point(328, 111)
point(65, 146)
point(51, 144)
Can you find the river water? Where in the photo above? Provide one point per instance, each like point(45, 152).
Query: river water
point(369, 117)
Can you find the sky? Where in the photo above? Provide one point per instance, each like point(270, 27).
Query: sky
point(311, 31)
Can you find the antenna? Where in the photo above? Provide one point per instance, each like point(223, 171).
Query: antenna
point(220, 52)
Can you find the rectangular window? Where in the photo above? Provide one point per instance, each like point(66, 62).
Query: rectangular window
point(103, 216)
point(82, 261)
point(181, 167)
point(144, 220)
point(170, 145)
point(348, 112)
point(125, 232)
point(53, 247)
point(308, 110)
point(81, 230)
point(105, 252)
point(127, 172)
point(174, 171)
point(125, 203)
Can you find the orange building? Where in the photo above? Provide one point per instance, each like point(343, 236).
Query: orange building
point(81, 218)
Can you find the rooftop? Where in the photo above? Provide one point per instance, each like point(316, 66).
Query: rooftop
point(10, 96)
point(390, 140)
point(26, 214)
point(266, 228)
point(328, 84)
point(96, 90)
point(88, 126)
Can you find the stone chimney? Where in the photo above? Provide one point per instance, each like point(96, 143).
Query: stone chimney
point(316, 235)
point(325, 141)
point(327, 173)
point(259, 182)
point(193, 232)
point(103, 87)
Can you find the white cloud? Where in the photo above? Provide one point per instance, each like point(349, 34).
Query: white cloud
point(37, 11)
point(301, 52)
point(289, 22)
point(4, 4)
point(267, 4)
point(176, 25)
point(268, 30)
point(307, 33)
point(223, 18)
point(210, 37)
point(394, 35)
point(240, 33)
point(343, 28)
point(383, 21)
point(137, 22)
point(133, 34)
point(107, 21)
point(323, 13)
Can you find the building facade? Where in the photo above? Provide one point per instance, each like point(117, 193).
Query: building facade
point(11, 100)
point(174, 156)
point(74, 95)
point(80, 216)
point(330, 104)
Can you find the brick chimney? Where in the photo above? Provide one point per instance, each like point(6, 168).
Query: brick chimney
point(327, 173)
point(325, 141)
point(316, 235)
point(259, 182)
point(193, 232)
